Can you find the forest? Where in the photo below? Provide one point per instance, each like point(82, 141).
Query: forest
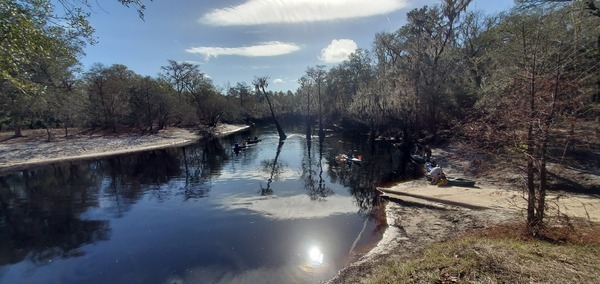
point(521, 81)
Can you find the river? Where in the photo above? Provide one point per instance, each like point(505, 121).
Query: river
point(271, 213)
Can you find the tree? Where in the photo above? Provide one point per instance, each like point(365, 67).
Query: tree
point(369, 105)
point(24, 26)
point(538, 87)
point(179, 75)
point(418, 52)
point(305, 86)
point(210, 105)
point(392, 68)
point(317, 75)
point(25, 44)
point(182, 76)
point(149, 103)
point(35, 44)
point(260, 83)
point(109, 94)
point(243, 93)
point(55, 73)
point(589, 5)
point(343, 81)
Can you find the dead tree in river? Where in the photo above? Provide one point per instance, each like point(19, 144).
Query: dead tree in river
point(260, 84)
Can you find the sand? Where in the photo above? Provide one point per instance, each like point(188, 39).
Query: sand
point(20, 153)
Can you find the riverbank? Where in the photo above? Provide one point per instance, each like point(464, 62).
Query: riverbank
point(32, 149)
point(417, 214)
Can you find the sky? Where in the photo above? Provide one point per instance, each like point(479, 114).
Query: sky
point(237, 40)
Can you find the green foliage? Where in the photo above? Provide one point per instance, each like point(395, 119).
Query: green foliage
point(22, 40)
point(38, 54)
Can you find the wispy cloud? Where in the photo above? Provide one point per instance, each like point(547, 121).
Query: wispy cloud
point(260, 12)
point(272, 48)
point(278, 81)
point(338, 50)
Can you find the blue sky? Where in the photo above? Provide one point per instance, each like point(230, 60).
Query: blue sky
point(236, 40)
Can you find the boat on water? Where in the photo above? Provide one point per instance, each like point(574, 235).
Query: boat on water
point(253, 141)
point(343, 158)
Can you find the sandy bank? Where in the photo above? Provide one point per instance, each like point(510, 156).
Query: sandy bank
point(418, 214)
point(18, 153)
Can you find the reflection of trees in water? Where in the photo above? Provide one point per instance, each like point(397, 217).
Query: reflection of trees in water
point(275, 167)
point(40, 209)
point(316, 188)
point(128, 177)
point(40, 213)
point(381, 163)
point(201, 164)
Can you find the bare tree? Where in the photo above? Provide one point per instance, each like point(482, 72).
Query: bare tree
point(317, 75)
point(305, 86)
point(260, 83)
point(537, 89)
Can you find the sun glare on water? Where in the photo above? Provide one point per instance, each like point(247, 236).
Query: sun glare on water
point(315, 255)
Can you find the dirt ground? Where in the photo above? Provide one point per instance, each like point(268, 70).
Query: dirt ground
point(417, 213)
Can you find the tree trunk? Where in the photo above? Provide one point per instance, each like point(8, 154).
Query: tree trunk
point(17, 128)
point(541, 202)
point(531, 196)
point(308, 120)
point(321, 132)
point(531, 193)
point(282, 135)
point(48, 134)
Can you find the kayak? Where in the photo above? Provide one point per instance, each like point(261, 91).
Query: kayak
point(342, 158)
point(461, 182)
point(252, 141)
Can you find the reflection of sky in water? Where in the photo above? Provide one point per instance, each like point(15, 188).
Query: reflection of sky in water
point(291, 207)
point(214, 229)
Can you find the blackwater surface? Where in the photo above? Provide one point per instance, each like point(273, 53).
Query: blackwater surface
point(205, 213)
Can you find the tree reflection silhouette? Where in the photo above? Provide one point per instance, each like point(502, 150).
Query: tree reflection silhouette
point(200, 165)
point(40, 214)
point(275, 167)
point(316, 189)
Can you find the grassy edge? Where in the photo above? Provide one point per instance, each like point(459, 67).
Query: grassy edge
point(501, 256)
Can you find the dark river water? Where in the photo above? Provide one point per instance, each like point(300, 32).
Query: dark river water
point(272, 213)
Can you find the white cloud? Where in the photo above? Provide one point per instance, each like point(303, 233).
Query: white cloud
point(278, 81)
point(338, 50)
point(272, 48)
point(260, 12)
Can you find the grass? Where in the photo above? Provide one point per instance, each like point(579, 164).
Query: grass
point(503, 254)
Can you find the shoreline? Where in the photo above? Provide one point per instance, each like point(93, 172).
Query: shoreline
point(419, 214)
point(18, 155)
point(416, 213)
